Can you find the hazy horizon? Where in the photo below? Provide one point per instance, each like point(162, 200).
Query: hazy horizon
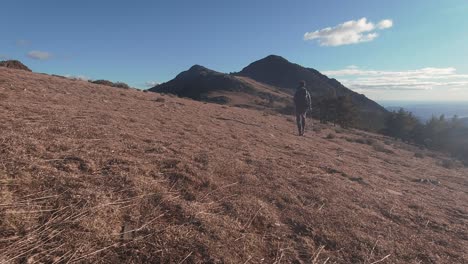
point(415, 102)
point(424, 110)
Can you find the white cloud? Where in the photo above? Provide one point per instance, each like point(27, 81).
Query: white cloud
point(39, 55)
point(350, 32)
point(384, 24)
point(3, 57)
point(151, 84)
point(352, 67)
point(361, 80)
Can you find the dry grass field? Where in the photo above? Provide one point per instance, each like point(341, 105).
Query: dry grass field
point(95, 174)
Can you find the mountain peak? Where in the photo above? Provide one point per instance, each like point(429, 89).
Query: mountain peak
point(198, 67)
point(274, 58)
point(277, 71)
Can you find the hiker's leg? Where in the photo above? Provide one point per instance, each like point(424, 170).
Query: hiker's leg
point(303, 122)
point(299, 125)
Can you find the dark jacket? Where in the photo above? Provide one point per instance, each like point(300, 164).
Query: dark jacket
point(302, 99)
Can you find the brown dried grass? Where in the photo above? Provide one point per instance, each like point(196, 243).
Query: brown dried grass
point(90, 176)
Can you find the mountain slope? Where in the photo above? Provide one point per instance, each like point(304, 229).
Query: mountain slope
point(94, 174)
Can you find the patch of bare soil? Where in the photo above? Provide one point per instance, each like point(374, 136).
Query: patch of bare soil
point(94, 174)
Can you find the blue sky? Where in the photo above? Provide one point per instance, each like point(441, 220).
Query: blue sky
point(388, 50)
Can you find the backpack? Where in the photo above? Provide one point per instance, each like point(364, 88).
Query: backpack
point(302, 98)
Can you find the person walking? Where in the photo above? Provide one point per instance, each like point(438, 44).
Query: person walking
point(303, 103)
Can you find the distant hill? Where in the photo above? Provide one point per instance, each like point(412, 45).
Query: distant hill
point(14, 64)
point(203, 84)
point(198, 81)
point(268, 83)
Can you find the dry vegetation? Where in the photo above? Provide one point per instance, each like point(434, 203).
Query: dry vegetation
point(93, 174)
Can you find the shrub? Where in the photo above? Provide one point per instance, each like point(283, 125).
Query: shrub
point(121, 85)
point(465, 163)
point(448, 164)
point(109, 83)
point(287, 110)
point(103, 82)
point(14, 64)
point(218, 99)
point(366, 141)
point(203, 159)
point(331, 136)
point(381, 148)
point(419, 155)
point(173, 95)
point(338, 110)
point(346, 111)
point(360, 141)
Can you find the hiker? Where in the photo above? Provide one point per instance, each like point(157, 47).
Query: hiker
point(302, 103)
